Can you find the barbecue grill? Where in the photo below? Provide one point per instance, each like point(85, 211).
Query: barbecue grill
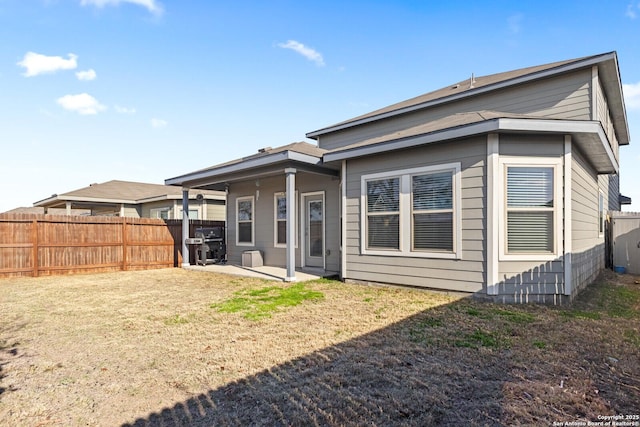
point(213, 249)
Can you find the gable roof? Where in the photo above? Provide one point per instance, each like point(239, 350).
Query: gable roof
point(127, 192)
point(482, 84)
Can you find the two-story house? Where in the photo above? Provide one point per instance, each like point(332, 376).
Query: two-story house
point(495, 185)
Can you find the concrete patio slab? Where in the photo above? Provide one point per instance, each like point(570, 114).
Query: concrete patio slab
point(263, 272)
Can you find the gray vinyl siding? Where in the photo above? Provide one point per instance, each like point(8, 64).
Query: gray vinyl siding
point(264, 218)
point(529, 281)
point(587, 258)
point(132, 211)
point(603, 114)
point(466, 274)
point(613, 190)
point(563, 97)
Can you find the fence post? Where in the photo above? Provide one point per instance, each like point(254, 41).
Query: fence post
point(34, 246)
point(124, 243)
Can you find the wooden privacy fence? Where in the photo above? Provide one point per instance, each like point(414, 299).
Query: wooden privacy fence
point(39, 245)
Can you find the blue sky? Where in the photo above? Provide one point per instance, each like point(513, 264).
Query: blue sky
point(144, 90)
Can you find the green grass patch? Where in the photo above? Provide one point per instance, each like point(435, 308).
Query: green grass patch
point(581, 314)
point(479, 339)
point(540, 344)
point(632, 337)
point(419, 331)
point(473, 312)
point(176, 320)
point(257, 304)
point(622, 302)
point(514, 316)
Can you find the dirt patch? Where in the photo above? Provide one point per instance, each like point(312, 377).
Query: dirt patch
point(147, 348)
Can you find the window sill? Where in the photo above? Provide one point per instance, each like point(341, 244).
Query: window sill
point(433, 255)
point(529, 257)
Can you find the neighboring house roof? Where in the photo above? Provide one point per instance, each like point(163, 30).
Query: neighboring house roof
point(301, 154)
point(40, 210)
point(126, 192)
point(606, 62)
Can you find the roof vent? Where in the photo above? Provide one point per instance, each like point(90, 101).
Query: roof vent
point(91, 185)
point(264, 149)
point(472, 81)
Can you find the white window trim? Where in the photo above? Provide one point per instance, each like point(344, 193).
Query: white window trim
point(556, 163)
point(253, 221)
point(275, 219)
point(304, 223)
point(406, 223)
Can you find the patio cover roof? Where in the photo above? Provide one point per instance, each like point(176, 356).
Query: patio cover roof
point(267, 162)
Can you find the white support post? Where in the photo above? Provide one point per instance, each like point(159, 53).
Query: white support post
point(493, 208)
point(343, 216)
point(291, 224)
point(568, 267)
point(185, 227)
point(68, 206)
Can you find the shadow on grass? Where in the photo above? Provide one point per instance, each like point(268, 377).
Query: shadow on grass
point(8, 350)
point(393, 376)
point(466, 363)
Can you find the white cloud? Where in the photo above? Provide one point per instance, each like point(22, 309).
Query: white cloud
point(514, 23)
point(631, 95)
point(124, 110)
point(83, 103)
point(36, 63)
point(159, 123)
point(151, 5)
point(307, 52)
point(631, 11)
point(86, 75)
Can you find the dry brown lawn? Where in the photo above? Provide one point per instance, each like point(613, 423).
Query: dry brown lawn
point(147, 349)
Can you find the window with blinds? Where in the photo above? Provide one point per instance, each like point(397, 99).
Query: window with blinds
point(530, 209)
point(412, 212)
point(432, 211)
point(383, 213)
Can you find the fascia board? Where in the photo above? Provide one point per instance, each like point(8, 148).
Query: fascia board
point(63, 198)
point(561, 126)
point(493, 125)
point(244, 165)
point(178, 197)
